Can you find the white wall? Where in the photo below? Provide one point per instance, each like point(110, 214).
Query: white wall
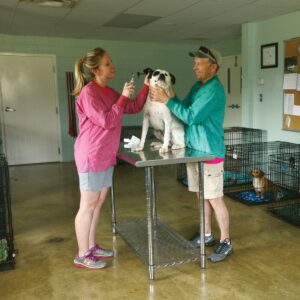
point(267, 114)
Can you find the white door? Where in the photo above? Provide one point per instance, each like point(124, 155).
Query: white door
point(230, 74)
point(29, 109)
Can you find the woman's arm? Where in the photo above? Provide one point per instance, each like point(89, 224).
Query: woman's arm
point(136, 105)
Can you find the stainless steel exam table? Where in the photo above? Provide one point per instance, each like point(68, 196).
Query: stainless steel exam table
point(157, 244)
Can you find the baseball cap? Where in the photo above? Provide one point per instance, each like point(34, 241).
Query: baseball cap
point(211, 53)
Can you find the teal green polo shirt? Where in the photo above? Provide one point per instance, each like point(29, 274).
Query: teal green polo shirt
point(202, 111)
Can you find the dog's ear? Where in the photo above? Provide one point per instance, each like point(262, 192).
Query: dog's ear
point(148, 71)
point(261, 173)
point(173, 79)
point(251, 172)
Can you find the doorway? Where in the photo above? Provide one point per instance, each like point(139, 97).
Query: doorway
point(230, 74)
point(29, 109)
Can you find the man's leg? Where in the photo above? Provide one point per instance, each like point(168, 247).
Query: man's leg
point(213, 190)
point(193, 182)
point(207, 213)
point(224, 248)
point(209, 238)
point(222, 216)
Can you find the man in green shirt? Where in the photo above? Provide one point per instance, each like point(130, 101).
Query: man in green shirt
point(202, 111)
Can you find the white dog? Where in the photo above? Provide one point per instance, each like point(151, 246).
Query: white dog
point(167, 127)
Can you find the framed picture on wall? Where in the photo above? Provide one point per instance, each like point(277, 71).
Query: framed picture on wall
point(269, 55)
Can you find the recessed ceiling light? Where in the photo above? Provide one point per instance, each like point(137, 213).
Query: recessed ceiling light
point(52, 3)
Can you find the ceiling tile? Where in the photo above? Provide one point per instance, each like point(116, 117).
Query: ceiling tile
point(93, 18)
point(159, 7)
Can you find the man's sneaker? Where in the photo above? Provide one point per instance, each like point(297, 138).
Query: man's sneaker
point(99, 252)
point(89, 261)
point(209, 240)
point(223, 250)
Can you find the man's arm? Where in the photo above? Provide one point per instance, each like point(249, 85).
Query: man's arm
point(201, 108)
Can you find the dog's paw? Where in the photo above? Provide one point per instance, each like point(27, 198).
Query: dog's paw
point(156, 145)
point(165, 155)
point(138, 148)
point(163, 150)
point(175, 147)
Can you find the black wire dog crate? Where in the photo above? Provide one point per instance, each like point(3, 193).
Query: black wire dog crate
point(232, 136)
point(235, 137)
point(242, 159)
point(285, 172)
point(7, 252)
point(243, 135)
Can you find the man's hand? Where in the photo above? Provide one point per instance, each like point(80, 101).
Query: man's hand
point(158, 94)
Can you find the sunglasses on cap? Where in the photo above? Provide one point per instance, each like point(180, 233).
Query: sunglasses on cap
point(205, 50)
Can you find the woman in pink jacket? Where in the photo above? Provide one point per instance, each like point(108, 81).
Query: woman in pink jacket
point(99, 109)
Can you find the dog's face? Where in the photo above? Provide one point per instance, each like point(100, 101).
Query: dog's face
point(162, 78)
point(257, 173)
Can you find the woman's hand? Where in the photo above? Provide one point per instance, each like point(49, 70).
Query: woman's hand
point(128, 89)
point(158, 94)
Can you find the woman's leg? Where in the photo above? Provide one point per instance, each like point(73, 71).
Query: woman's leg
point(84, 217)
point(96, 213)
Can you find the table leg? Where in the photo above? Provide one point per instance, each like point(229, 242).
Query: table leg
point(113, 208)
point(153, 201)
point(202, 216)
point(151, 215)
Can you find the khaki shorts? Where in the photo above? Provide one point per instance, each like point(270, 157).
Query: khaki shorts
point(213, 179)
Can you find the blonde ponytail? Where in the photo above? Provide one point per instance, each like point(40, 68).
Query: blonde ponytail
point(85, 65)
point(80, 77)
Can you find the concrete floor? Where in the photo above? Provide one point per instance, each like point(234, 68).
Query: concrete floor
point(265, 263)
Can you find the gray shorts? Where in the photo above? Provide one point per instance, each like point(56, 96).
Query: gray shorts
point(96, 181)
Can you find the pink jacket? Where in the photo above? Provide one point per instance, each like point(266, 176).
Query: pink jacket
point(99, 111)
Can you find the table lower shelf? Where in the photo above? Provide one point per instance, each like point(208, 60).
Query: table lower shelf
point(169, 247)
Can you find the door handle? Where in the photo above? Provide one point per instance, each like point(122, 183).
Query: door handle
point(9, 109)
point(233, 106)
